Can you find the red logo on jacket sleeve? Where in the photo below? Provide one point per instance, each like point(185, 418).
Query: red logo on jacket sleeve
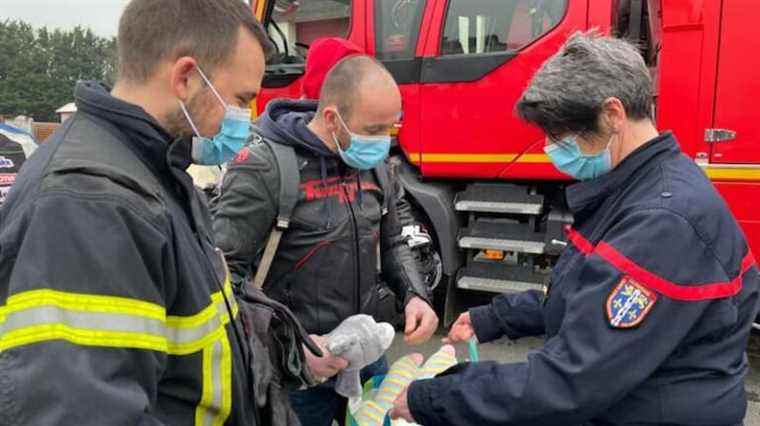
point(242, 156)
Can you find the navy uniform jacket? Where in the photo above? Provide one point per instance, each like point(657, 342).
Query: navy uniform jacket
point(646, 319)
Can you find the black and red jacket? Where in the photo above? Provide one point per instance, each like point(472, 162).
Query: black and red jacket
point(646, 320)
point(328, 263)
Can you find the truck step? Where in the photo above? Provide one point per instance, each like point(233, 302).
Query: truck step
point(498, 198)
point(497, 277)
point(493, 235)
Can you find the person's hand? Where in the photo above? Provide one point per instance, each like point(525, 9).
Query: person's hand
point(461, 330)
point(401, 408)
point(327, 365)
point(421, 321)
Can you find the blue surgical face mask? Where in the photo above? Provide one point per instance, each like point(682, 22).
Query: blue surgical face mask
point(568, 158)
point(365, 152)
point(233, 135)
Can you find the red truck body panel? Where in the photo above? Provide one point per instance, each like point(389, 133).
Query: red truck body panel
point(705, 74)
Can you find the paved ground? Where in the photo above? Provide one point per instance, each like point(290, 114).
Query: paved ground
point(505, 351)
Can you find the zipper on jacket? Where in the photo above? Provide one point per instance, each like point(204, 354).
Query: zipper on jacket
point(245, 355)
point(355, 227)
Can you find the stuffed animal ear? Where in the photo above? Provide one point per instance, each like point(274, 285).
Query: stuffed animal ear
point(341, 343)
point(386, 333)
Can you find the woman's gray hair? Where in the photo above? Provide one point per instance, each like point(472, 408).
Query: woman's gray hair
point(567, 93)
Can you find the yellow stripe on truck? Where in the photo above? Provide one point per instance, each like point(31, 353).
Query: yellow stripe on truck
point(714, 172)
point(416, 157)
point(733, 173)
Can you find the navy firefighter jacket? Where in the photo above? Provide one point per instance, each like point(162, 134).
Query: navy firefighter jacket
point(646, 318)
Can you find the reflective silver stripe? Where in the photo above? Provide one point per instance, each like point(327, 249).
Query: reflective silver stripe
point(186, 336)
point(212, 410)
point(110, 322)
point(211, 401)
point(216, 379)
point(85, 320)
point(92, 320)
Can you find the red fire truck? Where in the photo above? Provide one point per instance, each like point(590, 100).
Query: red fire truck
point(475, 174)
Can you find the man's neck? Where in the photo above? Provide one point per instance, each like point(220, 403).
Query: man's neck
point(143, 96)
point(318, 129)
point(637, 135)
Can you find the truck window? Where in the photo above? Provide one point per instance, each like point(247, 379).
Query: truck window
point(485, 26)
point(296, 24)
point(397, 28)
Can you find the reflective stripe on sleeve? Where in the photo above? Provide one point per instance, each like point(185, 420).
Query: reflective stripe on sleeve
point(117, 322)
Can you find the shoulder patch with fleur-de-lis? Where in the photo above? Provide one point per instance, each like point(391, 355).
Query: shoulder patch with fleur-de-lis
point(629, 303)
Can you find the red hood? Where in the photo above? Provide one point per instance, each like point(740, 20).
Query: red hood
point(323, 54)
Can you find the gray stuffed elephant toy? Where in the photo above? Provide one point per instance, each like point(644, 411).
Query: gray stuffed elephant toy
point(360, 341)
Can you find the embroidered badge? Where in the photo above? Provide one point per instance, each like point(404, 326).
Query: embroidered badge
point(629, 303)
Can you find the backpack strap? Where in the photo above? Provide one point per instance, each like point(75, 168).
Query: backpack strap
point(290, 177)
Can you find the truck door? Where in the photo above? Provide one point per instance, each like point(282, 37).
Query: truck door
point(482, 57)
point(292, 26)
point(736, 128)
point(395, 40)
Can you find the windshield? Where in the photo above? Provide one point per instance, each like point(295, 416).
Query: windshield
point(294, 24)
point(397, 27)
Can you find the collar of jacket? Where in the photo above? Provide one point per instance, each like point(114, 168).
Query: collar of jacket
point(148, 139)
point(589, 194)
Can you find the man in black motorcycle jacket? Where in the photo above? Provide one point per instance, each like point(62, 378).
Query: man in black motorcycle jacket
point(344, 238)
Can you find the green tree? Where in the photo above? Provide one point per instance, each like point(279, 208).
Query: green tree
point(38, 69)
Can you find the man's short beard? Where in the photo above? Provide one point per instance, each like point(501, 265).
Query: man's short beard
point(176, 122)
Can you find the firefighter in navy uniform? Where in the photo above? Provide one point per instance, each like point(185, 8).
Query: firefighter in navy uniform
point(115, 308)
point(650, 306)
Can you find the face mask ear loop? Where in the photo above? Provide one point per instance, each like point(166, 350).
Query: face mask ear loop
point(567, 143)
point(608, 148)
point(211, 86)
point(343, 123)
point(613, 132)
point(189, 120)
point(337, 143)
point(345, 126)
point(609, 142)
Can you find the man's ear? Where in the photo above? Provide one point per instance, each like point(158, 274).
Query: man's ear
point(613, 114)
point(181, 81)
point(331, 120)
